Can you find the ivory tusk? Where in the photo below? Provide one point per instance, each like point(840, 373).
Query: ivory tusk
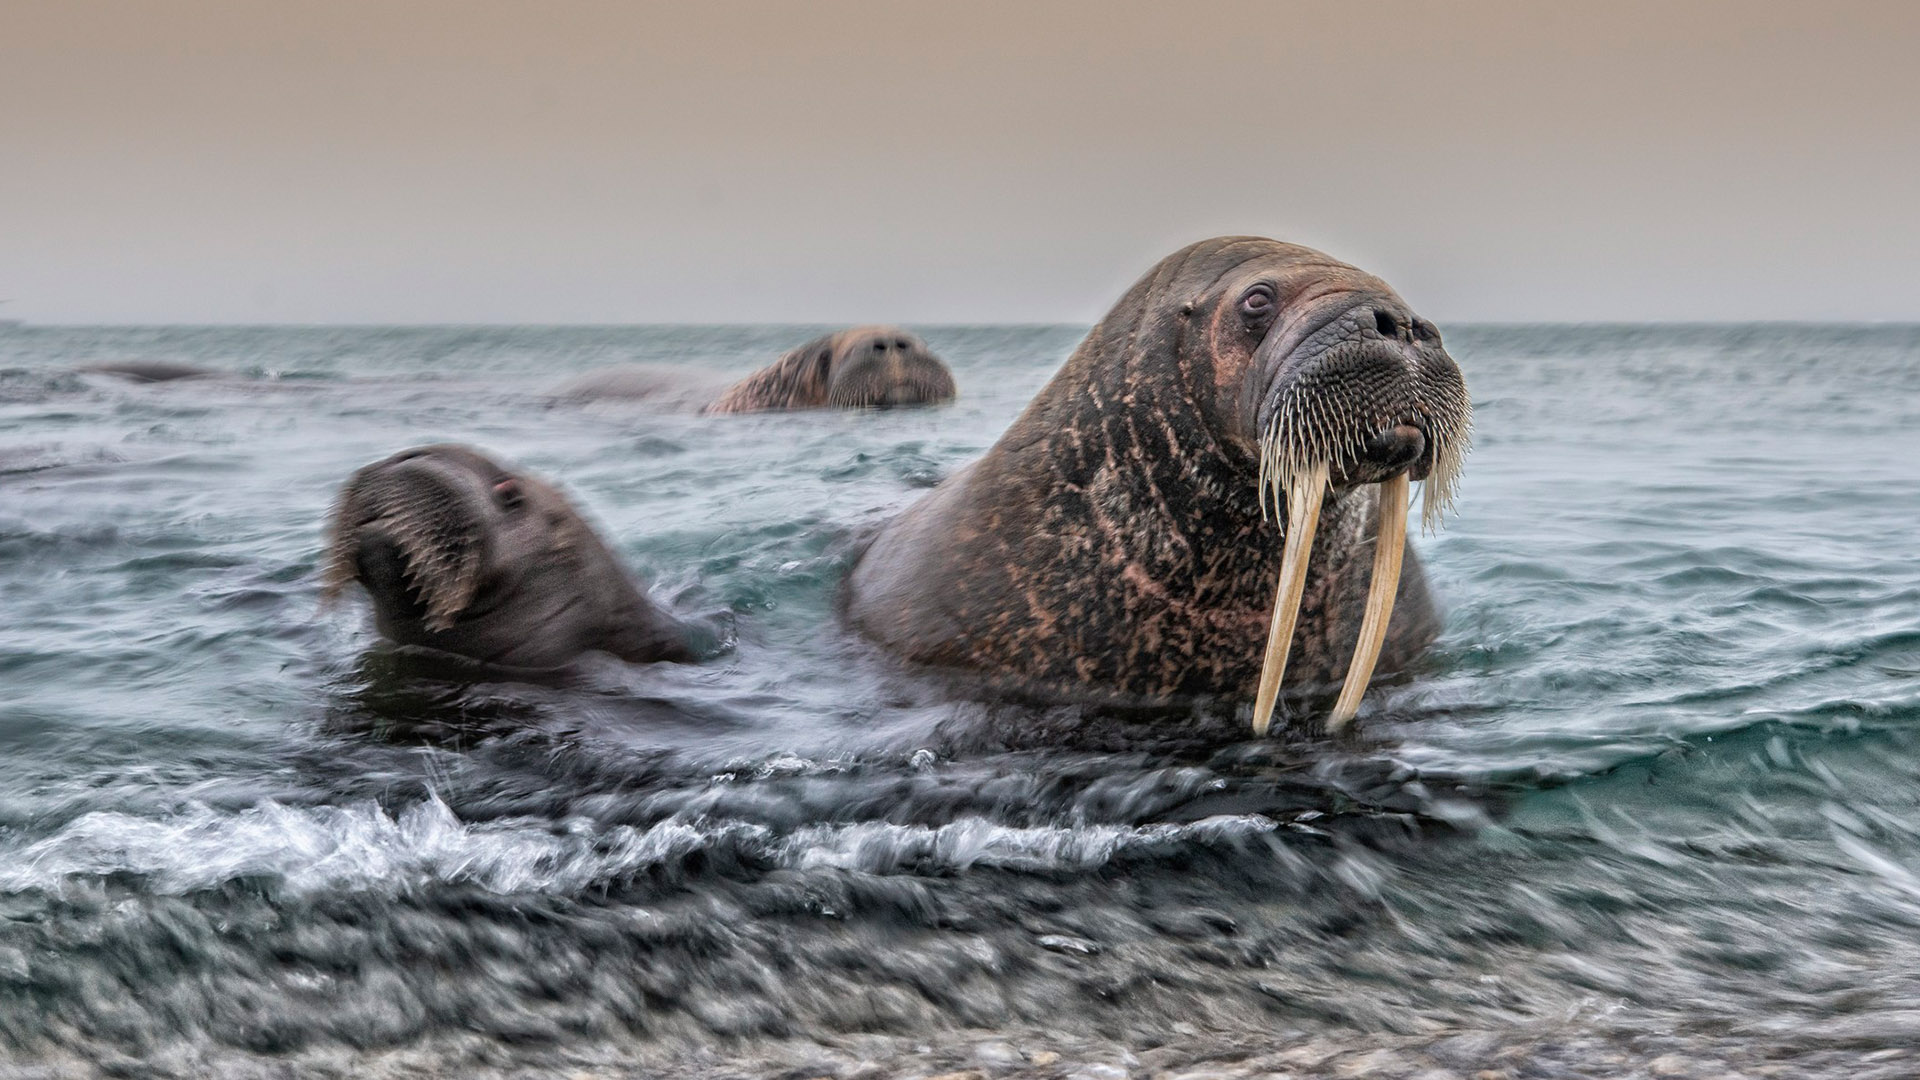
point(1390, 544)
point(1303, 517)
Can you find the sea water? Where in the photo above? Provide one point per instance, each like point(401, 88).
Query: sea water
point(1658, 780)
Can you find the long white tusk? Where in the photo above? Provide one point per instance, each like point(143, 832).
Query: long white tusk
point(1389, 544)
point(1303, 517)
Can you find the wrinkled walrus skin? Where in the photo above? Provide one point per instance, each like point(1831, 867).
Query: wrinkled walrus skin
point(1112, 545)
point(462, 555)
point(862, 367)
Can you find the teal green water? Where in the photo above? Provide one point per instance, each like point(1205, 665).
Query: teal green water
point(1658, 775)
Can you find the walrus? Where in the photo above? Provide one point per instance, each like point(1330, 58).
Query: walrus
point(862, 367)
point(463, 555)
point(1123, 539)
point(149, 371)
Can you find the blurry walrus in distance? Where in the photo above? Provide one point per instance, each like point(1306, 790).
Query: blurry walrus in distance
point(863, 367)
point(462, 555)
point(1124, 538)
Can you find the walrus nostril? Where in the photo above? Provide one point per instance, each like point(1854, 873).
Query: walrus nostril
point(1397, 447)
point(1384, 322)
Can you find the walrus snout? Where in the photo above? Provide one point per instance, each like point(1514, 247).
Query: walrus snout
point(1390, 451)
point(1364, 386)
point(891, 372)
point(410, 530)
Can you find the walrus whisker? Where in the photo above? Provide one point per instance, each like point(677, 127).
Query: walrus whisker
point(439, 561)
point(1304, 493)
point(1390, 543)
point(445, 575)
point(340, 570)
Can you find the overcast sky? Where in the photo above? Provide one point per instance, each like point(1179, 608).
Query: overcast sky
point(960, 161)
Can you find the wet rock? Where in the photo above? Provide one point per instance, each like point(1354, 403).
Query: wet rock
point(1380, 1063)
point(998, 1056)
point(1899, 1071)
point(1066, 943)
point(1193, 923)
point(1670, 1065)
point(1898, 1027)
point(1467, 1051)
point(1309, 1055)
point(1161, 1059)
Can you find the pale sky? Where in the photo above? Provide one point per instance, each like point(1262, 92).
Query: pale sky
point(962, 161)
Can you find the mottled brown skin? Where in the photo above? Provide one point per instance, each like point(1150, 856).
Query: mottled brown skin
point(545, 588)
point(1112, 546)
point(860, 367)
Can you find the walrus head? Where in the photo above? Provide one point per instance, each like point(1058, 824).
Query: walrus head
point(1327, 376)
point(461, 554)
point(863, 367)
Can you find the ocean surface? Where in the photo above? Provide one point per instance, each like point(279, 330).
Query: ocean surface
point(1657, 785)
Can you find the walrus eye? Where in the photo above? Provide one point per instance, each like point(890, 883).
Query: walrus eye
point(1256, 304)
point(507, 494)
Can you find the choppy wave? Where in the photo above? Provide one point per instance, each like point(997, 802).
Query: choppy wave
point(363, 847)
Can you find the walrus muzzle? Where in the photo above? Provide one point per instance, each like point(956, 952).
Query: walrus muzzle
point(889, 371)
point(407, 531)
point(1374, 406)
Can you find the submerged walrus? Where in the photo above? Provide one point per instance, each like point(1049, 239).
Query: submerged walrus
point(149, 371)
point(462, 555)
point(1117, 541)
point(863, 367)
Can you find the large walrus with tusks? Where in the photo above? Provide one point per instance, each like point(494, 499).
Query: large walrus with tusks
point(462, 555)
point(862, 367)
point(1124, 538)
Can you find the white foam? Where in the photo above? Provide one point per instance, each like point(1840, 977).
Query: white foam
point(359, 845)
point(877, 847)
point(362, 847)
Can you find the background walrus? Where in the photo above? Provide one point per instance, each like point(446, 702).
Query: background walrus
point(856, 368)
point(149, 371)
point(463, 555)
point(1124, 537)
